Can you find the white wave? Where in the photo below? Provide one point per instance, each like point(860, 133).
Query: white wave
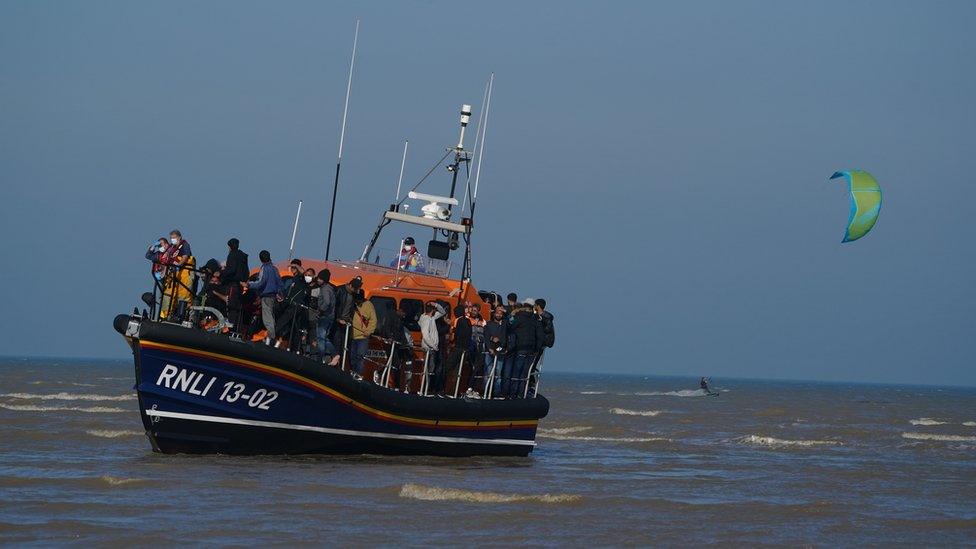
point(118, 481)
point(775, 442)
point(33, 408)
point(112, 434)
point(681, 393)
point(67, 396)
point(565, 430)
point(625, 412)
point(942, 438)
point(926, 421)
point(593, 392)
point(552, 434)
point(434, 493)
point(969, 423)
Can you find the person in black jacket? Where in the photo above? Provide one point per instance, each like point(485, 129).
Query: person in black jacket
point(235, 272)
point(546, 318)
point(290, 322)
point(527, 331)
point(496, 341)
point(461, 336)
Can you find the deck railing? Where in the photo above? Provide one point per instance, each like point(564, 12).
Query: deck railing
point(176, 301)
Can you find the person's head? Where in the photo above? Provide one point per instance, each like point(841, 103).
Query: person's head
point(355, 285)
point(323, 277)
point(429, 308)
point(529, 304)
point(175, 237)
point(360, 297)
point(460, 311)
point(540, 305)
point(295, 267)
point(163, 243)
point(475, 313)
point(408, 243)
point(233, 244)
point(309, 275)
point(499, 313)
point(512, 298)
point(264, 256)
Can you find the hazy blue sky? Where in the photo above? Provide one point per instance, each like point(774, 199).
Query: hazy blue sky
point(657, 170)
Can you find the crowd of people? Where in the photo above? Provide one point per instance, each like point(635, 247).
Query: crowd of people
point(305, 313)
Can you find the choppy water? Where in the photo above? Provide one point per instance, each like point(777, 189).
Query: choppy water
point(621, 460)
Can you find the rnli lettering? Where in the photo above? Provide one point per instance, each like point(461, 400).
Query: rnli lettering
point(184, 380)
point(189, 381)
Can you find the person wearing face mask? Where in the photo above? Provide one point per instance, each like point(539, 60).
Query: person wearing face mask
point(180, 278)
point(409, 258)
point(154, 254)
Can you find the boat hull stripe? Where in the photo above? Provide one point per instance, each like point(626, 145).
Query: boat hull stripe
point(326, 430)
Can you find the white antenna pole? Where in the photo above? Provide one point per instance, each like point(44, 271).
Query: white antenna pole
point(342, 138)
point(484, 132)
point(345, 108)
point(477, 134)
point(294, 231)
point(403, 162)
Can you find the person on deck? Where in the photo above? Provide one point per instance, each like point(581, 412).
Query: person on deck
point(512, 303)
point(461, 337)
point(289, 322)
point(268, 287)
point(345, 306)
point(363, 326)
point(496, 341)
point(325, 305)
point(154, 254)
point(529, 338)
point(409, 258)
point(430, 341)
point(234, 273)
point(179, 281)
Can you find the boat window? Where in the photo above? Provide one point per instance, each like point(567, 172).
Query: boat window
point(412, 309)
point(385, 306)
point(418, 263)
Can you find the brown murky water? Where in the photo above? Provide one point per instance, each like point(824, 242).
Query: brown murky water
point(621, 460)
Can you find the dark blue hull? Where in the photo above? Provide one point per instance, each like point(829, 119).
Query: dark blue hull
point(205, 393)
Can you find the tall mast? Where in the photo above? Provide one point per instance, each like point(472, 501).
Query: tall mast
point(466, 269)
point(403, 162)
point(342, 136)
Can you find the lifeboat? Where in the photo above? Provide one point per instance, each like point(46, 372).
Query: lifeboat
point(204, 390)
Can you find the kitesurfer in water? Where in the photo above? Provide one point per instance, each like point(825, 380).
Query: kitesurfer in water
point(704, 386)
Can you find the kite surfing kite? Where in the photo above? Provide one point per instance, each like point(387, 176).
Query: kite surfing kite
point(865, 203)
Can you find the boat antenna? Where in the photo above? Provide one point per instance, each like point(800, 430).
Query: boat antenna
point(466, 273)
point(294, 231)
point(342, 136)
point(477, 134)
point(484, 131)
point(403, 162)
point(460, 155)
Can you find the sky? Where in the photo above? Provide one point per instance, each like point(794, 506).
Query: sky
point(656, 170)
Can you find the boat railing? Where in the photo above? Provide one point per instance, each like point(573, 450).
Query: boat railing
point(175, 299)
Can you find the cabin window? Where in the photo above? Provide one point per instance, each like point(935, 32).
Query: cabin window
point(412, 309)
point(385, 306)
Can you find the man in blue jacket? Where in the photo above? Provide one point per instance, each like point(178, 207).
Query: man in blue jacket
point(268, 286)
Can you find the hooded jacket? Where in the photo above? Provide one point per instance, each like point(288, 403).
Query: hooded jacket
point(235, 270)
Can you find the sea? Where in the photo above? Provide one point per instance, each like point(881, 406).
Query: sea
point(621, 461)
